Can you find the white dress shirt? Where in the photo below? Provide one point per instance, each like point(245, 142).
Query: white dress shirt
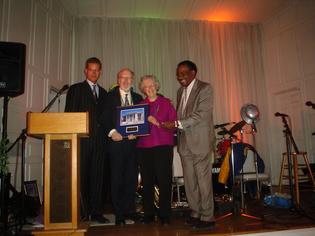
point(96, 87)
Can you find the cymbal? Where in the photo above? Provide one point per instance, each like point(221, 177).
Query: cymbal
point(223, 132)
point(238, 126)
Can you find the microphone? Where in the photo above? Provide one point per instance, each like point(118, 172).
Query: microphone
point(64, 88)
point(310, 104)
point(224, 124)
point(281, 114)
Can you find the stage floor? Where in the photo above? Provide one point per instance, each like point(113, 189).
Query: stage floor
point(275, 221)
point(301, 221)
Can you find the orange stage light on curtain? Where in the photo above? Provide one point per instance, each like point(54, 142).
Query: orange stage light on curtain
point(222, 16)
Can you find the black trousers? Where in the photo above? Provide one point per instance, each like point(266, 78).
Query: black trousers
point(156, 168)
point(124, 171)
point(92, 161)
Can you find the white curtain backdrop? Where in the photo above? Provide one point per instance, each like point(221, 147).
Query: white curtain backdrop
point(228, 55)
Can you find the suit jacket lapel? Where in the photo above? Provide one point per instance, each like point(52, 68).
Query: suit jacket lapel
point(133, 98)
point(117, 97)
point(89, 91)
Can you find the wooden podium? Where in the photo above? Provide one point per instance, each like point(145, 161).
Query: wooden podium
point(61, 169)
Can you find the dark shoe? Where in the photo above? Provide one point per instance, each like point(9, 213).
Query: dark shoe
point(204, 225)
point(165, 221)
point(120, 222)
point(134, 217)
point(147, 219)
point(191, 220)
point(84, 218)
point(100, 219)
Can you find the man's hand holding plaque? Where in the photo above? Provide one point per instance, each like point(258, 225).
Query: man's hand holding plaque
point(169, 124)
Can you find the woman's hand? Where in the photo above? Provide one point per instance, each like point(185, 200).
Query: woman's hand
point(131, 137)
point(153, 121)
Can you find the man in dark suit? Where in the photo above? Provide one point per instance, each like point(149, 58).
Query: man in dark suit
point(122, 150)
point(195, 143)
point(88, 96)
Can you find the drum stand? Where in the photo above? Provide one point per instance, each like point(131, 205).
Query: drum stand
point(242, 210)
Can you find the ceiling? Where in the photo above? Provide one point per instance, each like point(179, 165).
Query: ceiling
point(249, 11)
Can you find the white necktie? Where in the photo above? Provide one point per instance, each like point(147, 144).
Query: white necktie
point(183, 102)
point(185, 96)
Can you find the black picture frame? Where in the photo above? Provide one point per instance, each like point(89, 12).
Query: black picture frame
point(31, 189)
point(133, 120)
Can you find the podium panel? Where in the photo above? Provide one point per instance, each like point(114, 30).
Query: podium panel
point(60, 181)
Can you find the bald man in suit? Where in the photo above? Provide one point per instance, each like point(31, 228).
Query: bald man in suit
point(88, 96)
point(195, 143)
point(122, 150)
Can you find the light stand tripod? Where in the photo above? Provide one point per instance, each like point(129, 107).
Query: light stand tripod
point(253, 132)
point(243, 209)
point(236, 210)
point(249, 114)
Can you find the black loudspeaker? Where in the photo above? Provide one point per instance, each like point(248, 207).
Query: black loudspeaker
point(12, 69)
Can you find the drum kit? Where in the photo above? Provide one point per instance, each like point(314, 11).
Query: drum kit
point(226, 137)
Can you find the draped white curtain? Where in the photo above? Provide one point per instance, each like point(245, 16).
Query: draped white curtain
point(228, 55)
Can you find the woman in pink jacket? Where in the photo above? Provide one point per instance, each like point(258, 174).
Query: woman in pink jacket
point(156, 152)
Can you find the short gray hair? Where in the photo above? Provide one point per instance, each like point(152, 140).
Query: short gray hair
point(125, 69)
point(151, 77)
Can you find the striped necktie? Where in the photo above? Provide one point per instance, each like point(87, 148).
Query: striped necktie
point(127, 103)
point(94, 91)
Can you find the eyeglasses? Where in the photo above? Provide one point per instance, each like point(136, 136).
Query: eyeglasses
point(149, 86)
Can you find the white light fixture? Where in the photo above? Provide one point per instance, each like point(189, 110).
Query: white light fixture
point(250, 113)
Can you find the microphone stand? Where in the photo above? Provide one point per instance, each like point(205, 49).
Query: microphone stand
point(313, 107)
point(290, 141)
point(52, 101)
point(23, 136)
